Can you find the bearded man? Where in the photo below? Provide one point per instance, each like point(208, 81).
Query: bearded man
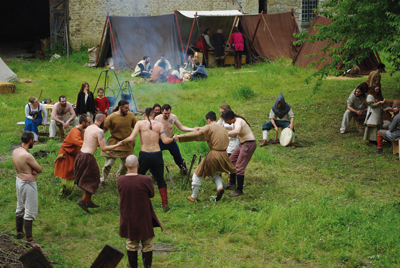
point(356, 107)
point(59, 116)
point(64, 166)
point(120, 124)
point(393, 134)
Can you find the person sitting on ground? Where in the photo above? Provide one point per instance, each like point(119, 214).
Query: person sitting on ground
point(219, 43)
point(175, 77)
point(143, 68)
point(64, 165)
point(200, 72)
point(281, 115)
point(101, 103)
point(35, 115)
point(158, 75)
point(216, 160)
point(393, 134)
point(85, 101)
point(59, 116)
point(164, 63)
point(135, 192)
point(373, 120)
point(374, 77)
point(356, 107)
point(156, 110)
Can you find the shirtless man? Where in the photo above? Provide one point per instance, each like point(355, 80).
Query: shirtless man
point(86, 170)
point(59, 116)
point(150, 155)
point(169, 120)
point(27, 197)
point(243, 153)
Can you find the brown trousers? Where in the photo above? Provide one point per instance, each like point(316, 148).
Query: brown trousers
point(242, 155)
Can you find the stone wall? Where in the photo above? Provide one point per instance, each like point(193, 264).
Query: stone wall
point(87, 17)
point(279, 6)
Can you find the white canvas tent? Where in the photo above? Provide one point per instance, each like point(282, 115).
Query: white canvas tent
point(6, 75)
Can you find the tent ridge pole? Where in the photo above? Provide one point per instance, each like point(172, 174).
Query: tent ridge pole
point(254, 36)
point(101, 41)
point(112, 38)
point(190, 35)
point(294, 18)
point(179, 31)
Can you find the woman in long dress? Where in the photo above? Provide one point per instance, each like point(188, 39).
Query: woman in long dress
point(35, 115)
point(373, 120)
point(85, 102)
point(237, 44)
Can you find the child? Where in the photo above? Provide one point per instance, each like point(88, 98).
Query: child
point(101, 103)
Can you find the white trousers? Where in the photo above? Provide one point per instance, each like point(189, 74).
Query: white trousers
point(27, 199)
point(54, 124)
point(265, 135)
point(196, 183)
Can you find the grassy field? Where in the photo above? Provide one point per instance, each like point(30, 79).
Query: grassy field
point(329, 203)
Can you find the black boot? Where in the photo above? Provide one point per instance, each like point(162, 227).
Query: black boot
point(223, 62)
point(19, 222)
point(232, 182)
point(147, 259)
point(132, 258)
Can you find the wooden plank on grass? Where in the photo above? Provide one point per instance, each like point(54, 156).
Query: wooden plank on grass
point(109, 257)
point(34, 258)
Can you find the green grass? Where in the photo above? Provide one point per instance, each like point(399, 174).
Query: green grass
point(330, 203)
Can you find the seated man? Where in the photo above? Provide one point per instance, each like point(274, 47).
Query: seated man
point(59, 116)
point(393, 134)
point(188, 66)
point(280, 114)
point(200, 72)
point(158, 75)
point(356, 107)
point(143, 68)
point(164, 63)
point(175, 77)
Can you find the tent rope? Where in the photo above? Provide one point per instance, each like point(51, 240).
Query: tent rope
point(272, 36)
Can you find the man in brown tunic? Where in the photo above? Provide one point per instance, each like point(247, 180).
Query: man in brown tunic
point(216, 160)
point(137, 218)
point(120, 125)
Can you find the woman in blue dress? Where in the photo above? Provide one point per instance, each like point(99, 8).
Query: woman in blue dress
point(35, 115)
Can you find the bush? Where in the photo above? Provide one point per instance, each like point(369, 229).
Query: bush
point(245, 92)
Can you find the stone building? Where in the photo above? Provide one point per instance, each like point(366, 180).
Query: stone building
point(87, 17)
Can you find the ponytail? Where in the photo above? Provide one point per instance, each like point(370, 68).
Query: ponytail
point(148, 112)
point(229, 114)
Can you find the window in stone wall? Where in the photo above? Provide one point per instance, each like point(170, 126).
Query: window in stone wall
point(307, 14)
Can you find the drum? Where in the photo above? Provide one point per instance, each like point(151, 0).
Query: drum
point(286, 137)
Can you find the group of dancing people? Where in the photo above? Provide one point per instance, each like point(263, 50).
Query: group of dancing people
point(230, 140)
point(373, 115)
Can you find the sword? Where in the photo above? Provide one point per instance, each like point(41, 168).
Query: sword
point(190, 170)
point(183, 170)
point(170, 178)
point(199, 159)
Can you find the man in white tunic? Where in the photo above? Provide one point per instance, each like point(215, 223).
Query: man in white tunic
point(356, 107)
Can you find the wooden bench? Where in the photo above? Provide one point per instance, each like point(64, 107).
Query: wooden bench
point(44, 133)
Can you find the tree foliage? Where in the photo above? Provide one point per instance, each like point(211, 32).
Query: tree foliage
point(358, 28)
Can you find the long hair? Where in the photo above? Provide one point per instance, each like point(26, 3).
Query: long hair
point(377, 95)
point(235, 30)
point(225, 106)
point(205, 32)
point(84, 84)
point(229, 114)
point(148, 112)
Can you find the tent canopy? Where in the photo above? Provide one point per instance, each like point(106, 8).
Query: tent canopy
point(6, 75)
point(213, 13)
point(366, 66)
point(136, 37)
point(274, 37)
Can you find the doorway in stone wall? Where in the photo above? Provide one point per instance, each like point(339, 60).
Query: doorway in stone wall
point(262, 6)
point(23, 23)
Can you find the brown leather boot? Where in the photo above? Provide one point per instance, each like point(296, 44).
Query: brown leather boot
point(264, 143)
point(236, 193)
point(220, 193)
